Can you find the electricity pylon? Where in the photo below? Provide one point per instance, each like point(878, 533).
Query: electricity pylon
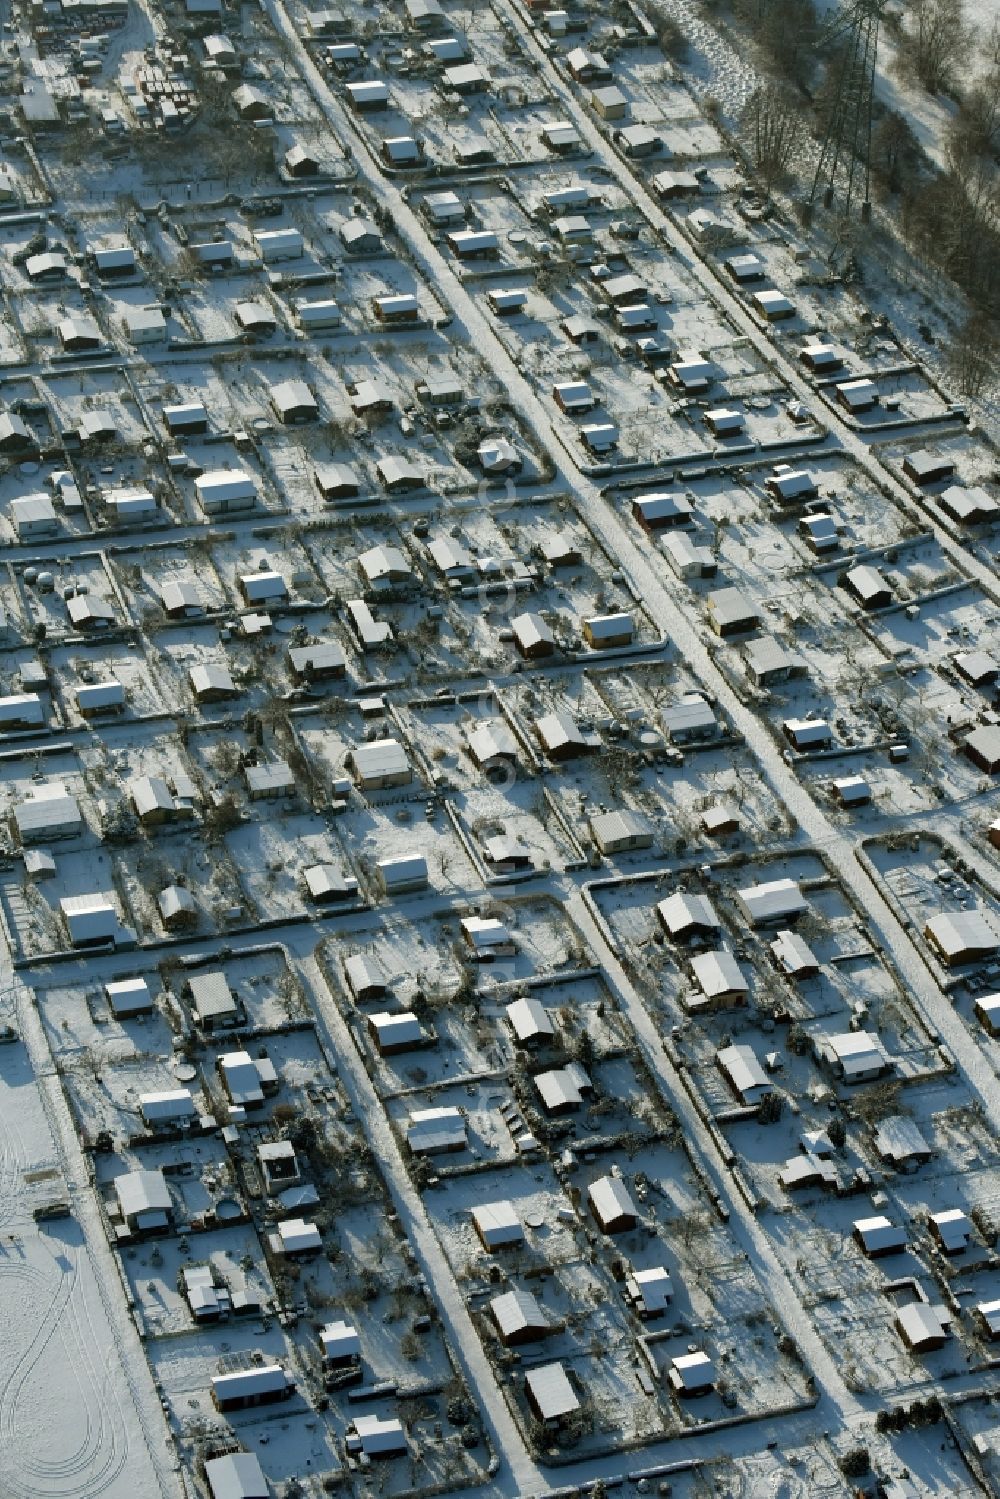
point(845, 153)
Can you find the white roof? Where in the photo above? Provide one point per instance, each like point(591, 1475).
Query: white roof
point(773, 301)
point(603, 626)
point(956, 932)
point(573, 392)
point(340, 1340)
point(402, 871)
point(369, 91)
point(297, 1234)
point(563, 1087)
point(692, 1371)
point(491, 740)
point(238, 1475)
point(791, 483)
point(792, 954)
point(954, 1228)
point(397, 1028)
point(484, 932)
point(150, 794)
point(242, 1077)
point(444, 207)
point(529, 1018)
point(449, 555)
point(920, 1323)
point(990, 1313)
point(379, 1436)
point(128, 994)
point(180, 594)
point(244, 1382)
point(384, 562)
point(552, 1391)
point(807, 731)
point(771, 901)
point(655, 1287)
point(879, 1233)
point(50, 809)
point(89, 917)
point(610, 1199)
point(266, 584)
point(225, 483)
point(857, 1052)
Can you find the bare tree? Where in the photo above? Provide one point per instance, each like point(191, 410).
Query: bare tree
point(895, 150)
point(772, 128)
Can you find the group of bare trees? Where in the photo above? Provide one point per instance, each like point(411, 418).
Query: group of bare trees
point(934, 43)
point(974, 129)
point(773, 126)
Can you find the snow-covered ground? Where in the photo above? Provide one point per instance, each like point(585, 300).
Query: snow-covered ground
point(77, 1408)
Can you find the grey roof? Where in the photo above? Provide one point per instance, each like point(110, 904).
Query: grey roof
point(212, 677)
point(898, 1139)
point(551, 1392)
point(691, 715)
point(142, 1192)
point(364, 974)
point(53, 812)
point(238, 1475)
point(619, 826)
